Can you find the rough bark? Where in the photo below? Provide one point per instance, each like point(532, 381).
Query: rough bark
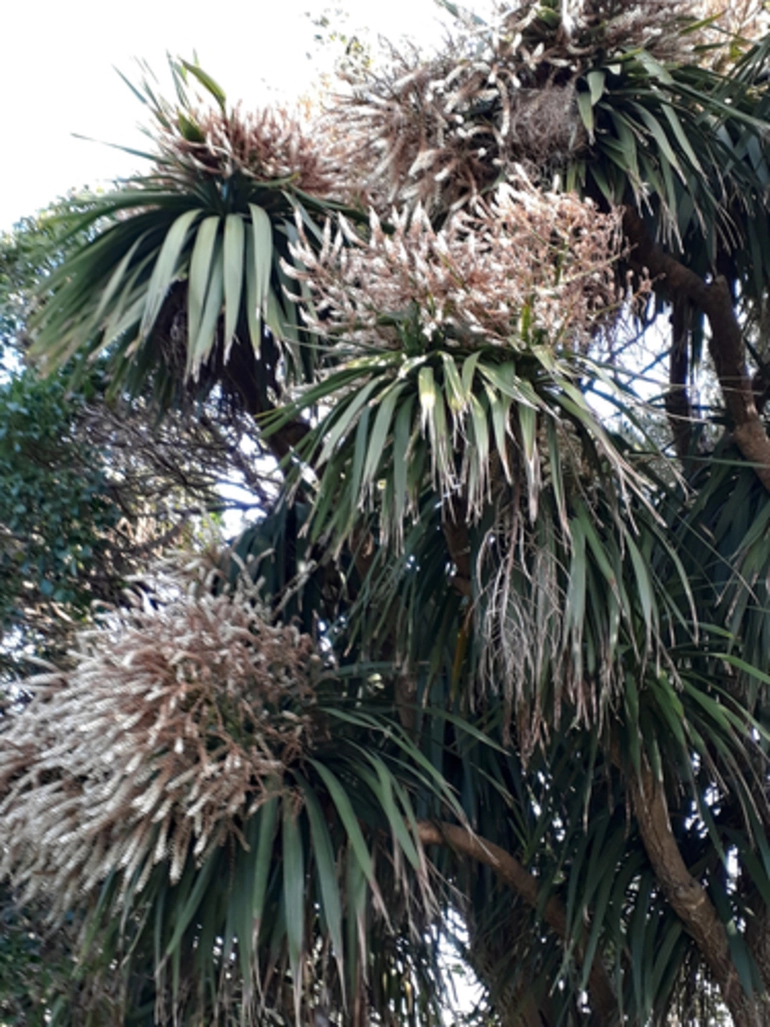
point(456, 535)
point(758, 936)
point(527, 887)
point(678, 406)
point(689, 899)
point(726, 345)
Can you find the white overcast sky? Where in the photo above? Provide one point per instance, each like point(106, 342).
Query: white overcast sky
point(57, 61)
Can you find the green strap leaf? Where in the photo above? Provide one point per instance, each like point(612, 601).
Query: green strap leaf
point(200, 272)
point(557, 479)
point(166, 267)
point(207, 82)
point(253, 310)
point(427, 389)
point(658, 132)
point(263, 859)
point(326, 870)
point(190, 908)
point(595, 79)
point(381, 430)
point(500, 408)
point(644, 585)
point(233, 269)
point(273, 315)
point(528, 427)
point(262, 237)
point(117, 280)
point(383, 789)
point(681, 137)
point(350, 823)
point(343, 417)
point(468, 371)
point(457, 395)
point(294, 896)
point(401, 436)
point(200, 348)
point(480, 432)
point(586, 111)
point(575, 603)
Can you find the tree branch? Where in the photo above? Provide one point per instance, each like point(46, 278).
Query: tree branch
point(526, 885)
point(677, 399)
point(686, 896)
point(726, 344)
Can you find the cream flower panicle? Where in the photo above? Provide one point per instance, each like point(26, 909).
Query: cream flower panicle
point(522, 262)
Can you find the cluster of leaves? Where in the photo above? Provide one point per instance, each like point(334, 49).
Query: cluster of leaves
point(445, 129)
point(524, 264)
point(217, 211)
point(203, 691)
point(622, 102)
point(89, 492)
point(57, 518)
point(36, 962)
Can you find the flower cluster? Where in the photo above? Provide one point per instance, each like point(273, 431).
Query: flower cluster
point(441, 131)
point(270, 145)
point(174, 727)
point(524, 266)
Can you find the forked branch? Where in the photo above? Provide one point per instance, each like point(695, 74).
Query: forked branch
point(726, 344)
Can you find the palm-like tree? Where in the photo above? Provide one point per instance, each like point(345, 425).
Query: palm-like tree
point(540, 637)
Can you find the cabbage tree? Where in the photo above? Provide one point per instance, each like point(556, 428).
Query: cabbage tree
point(526, 611)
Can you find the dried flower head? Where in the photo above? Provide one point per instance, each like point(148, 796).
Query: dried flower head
point(587, 25)
point(439, 133)
point(442, 130)
point(175, 725)
point(272, 145)
point(524, 265)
